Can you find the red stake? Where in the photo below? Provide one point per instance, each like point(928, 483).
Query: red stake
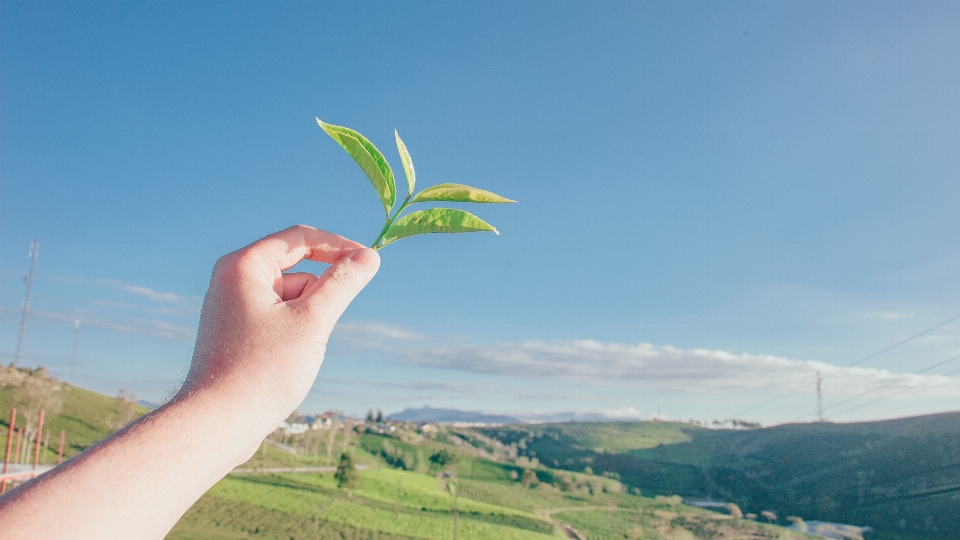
point(60, 452)
point(19, 436)
point(36, 447)
point(6, 456)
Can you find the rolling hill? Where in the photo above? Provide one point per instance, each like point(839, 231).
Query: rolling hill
point(414, 484)
point(901, 477)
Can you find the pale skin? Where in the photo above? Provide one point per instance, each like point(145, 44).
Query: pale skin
point(261, 341)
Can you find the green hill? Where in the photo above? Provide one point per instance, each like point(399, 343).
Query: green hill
point(407, 492)
point(407, 482)
point(901, 477)
point(85, 417)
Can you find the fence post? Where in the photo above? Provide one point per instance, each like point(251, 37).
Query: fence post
point(60, 451)
point(6, 456)
point(16, 459)
point(36, 446)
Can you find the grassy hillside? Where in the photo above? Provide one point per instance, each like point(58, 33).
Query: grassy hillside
point(392, 503)
point(84, 416)
point(406, 487)
point(901, 477)
point(405, 493)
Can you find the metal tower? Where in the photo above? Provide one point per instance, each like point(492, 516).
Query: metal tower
point(819, 399)
point(28, 281)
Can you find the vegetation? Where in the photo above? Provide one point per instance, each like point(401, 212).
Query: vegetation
point(433, 220)
point(85, 417)
point(347, 475)
point(901, 477)
point(404, 493)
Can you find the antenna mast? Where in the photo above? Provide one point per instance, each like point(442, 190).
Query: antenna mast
point(28, 282)
point(73, 355)
point(819, 399)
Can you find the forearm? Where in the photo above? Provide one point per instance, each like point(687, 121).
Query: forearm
point(262, 337)
point(156, 469)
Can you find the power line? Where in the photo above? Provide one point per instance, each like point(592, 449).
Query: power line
point(881, 387)
point(891, 383)
point(889, 395)
point(858, 362)
point(771, 400)
point(899, 343)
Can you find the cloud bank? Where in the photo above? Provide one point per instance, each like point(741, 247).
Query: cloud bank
point(644, 364)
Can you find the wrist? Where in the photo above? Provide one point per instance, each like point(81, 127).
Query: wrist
point(230, 427)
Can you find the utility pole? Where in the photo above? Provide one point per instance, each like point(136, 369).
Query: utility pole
point(28, 281)
point(819, 398)
point(73, 355)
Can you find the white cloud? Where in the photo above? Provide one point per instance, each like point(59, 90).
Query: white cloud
point(619, 414)
point(176, 311)
point(145, 327)
point(372, 333)
point(663, 366)
point(894, 316)
point(151, 294)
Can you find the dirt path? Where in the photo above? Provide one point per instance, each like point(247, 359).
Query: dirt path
point(569, 531)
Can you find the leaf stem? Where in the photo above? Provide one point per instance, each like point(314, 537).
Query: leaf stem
point(390, 221)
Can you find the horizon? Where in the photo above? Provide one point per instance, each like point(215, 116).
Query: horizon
point(718, 203)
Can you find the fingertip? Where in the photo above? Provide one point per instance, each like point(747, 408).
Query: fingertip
point(366, 258)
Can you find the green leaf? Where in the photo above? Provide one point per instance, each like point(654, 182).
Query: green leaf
point(369, 159)
point(435, 220)
point(458, 193)
point(407, 164)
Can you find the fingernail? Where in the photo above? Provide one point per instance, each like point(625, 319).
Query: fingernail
point(367, 258)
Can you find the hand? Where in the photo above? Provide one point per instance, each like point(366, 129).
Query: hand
point(261, 341)
point(263, 333)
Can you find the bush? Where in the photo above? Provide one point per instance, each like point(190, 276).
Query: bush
point(347, 475)
point(443, 458)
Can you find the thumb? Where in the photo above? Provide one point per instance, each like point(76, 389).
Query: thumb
point(329, 296)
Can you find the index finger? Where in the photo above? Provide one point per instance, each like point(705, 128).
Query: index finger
point(292, 245)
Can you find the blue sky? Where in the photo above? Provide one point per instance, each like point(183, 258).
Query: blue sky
point(716, 199)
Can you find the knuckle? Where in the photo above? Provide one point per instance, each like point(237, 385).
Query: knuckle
point(232, 266)
point(345, 275)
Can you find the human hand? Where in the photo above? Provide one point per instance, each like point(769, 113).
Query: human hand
point(263, 333)
point(261, 341)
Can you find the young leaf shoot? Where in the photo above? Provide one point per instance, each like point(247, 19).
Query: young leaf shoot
point(433, 220)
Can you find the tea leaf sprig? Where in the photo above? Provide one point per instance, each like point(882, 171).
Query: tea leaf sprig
point(433, 220)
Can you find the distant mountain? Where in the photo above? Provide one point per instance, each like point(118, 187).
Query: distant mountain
point(449, 416)
point(576, 416)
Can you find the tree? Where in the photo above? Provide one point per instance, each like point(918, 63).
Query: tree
point(369, 415)
point(334, 427)
point(529, 478)
point(347, 475)
point(379, 416)
point(37, 390)
point(443, 458)
point(126, 410)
